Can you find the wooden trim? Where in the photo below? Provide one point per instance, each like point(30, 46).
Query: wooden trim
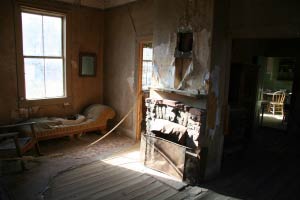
point(19, 53)
point(43, 12)
point(43, 102)
point(56, 7)
point(141, 42)
point(139, 92)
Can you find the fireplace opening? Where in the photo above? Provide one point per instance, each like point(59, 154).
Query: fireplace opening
point(171, 143)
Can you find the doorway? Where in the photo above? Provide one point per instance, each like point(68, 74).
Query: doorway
point(259, 161)
point(145, 71)
point(263, 86)
point(275, 91)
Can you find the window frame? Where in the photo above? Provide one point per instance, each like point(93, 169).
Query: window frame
point(48, 10)
point(62, 56)
point(142, 65)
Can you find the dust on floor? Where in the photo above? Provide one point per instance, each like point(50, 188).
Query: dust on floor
point(59, 155)
point(123, 176)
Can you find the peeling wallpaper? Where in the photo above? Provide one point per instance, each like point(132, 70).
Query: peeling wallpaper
point(167, 20)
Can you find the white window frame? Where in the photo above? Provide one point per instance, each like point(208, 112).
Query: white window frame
point(63, 49)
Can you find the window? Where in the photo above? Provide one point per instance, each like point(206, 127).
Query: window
point(147, 65)
point(43, 55)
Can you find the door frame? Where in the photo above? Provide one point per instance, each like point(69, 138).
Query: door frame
point(140, 43)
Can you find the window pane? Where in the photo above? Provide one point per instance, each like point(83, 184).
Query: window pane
point(147, 66)
point(52, 36)
point(147, 53)
point(54, 78)
point(32, 34)
point(147, 74)
point(34, 78)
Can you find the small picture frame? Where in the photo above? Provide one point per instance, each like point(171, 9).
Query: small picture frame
point(87, 64)
point(286, 69)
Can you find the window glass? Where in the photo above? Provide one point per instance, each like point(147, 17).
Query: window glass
point(32, 34)
point(54, 78)
point(147, 66)
point(34, 78)
point(52, 36)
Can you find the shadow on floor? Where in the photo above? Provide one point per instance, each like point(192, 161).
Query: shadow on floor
point(59, 154)
point(268, 169)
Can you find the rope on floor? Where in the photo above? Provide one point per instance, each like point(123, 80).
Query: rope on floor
point(116, 126)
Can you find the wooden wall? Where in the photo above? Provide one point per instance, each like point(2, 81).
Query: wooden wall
point(84, 32)
point(124, 26)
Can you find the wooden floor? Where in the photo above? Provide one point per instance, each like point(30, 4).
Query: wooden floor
point(120, 178)
point(269, 169)
point(273, 121)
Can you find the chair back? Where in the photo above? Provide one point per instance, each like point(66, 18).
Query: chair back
point(278, 97)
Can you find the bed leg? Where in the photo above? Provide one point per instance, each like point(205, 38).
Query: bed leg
point(77, 136)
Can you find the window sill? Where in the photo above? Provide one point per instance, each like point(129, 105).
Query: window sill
point(44, 102)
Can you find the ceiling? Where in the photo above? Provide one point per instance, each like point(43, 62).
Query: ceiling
point(101, 4)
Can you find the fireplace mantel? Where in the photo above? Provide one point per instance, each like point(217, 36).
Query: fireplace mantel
point(196, 95)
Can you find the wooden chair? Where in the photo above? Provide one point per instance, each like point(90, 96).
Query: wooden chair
point(276, 105)
point(10, 140)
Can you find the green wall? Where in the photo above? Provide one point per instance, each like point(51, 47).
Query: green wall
point(270, 76)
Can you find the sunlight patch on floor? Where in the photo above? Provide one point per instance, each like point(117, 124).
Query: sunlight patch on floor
point(279, 117)
point(131, 160)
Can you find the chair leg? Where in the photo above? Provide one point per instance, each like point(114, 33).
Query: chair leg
point(18, 148)
point(37, 148)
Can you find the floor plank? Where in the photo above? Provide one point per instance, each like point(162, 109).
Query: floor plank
point(137, 194)
point(118, 188)
point(152, 193)
point(122, 193)
point(181, 195)
point(81, 169)
point(74, 185)
point(97, 173)
point(84, 189)
point(170, 192)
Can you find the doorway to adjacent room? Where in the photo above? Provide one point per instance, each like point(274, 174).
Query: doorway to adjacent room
point(275, 90)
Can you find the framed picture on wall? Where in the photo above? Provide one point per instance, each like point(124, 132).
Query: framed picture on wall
point(286, 69)
point(87, 64)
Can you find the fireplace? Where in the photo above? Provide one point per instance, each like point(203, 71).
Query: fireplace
point(171, 143)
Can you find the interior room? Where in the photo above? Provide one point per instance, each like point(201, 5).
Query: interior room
point(149, 99)
point(277, 91)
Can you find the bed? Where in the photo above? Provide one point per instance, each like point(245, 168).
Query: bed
point(93, 118)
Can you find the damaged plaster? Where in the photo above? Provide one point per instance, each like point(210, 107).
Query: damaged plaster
point(131, 83)
point(165, 40)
